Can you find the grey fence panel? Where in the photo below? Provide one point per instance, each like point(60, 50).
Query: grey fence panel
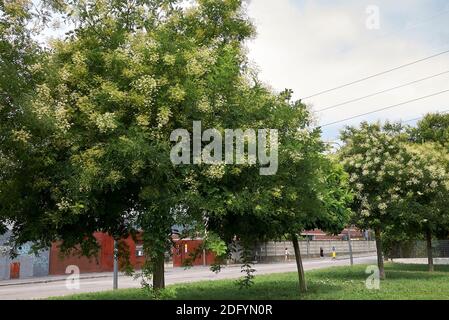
point(418, 249)
point(276, 251)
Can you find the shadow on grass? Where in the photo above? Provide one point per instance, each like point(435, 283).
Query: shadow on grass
point(415, 267)
point(415, 272)
point(283, 289)
point(392, 270)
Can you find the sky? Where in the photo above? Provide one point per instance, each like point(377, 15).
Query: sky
point(314, 45)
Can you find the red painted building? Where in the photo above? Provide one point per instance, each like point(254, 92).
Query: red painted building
point(186, 248)
point(102, 263)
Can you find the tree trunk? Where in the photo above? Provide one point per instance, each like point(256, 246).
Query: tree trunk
point(429, 250)
point(380, 259)
point(158, 273)
point(301, 277)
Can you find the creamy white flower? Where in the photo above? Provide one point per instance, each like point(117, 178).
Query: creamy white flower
point(365, 213)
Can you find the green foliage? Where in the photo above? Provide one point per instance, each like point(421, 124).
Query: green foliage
point(25, 159)
point(434, 127)
point(92, 149)
point(112, 92)
point(308, 191)
point(215, 244)
point(247, 280)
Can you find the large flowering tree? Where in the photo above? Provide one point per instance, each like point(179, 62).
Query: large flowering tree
point(111, 92)
point(109, 96)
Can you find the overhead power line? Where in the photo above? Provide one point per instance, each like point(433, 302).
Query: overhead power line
point(383, 91)
point(385, 108)
point(377, 74)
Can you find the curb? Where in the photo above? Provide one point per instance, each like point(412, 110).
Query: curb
point(25, 282)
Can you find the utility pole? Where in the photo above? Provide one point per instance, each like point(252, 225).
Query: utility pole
point(308, 247)
point(350, 246)
point(115, 277)
point(206, 224)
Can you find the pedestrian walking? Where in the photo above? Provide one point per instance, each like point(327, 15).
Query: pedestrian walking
point(287, 253)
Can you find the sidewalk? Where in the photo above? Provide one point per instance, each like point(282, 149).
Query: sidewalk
point(4, 283)
point(47, 279)
point(436, 261)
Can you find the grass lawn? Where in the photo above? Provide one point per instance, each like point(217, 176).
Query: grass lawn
point(347, 283)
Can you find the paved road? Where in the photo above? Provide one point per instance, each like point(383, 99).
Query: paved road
point(173, 275)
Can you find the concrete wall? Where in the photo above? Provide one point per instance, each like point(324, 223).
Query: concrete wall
point(275, 251)
point(4, 268)
point(30, 265)
point(311, 249)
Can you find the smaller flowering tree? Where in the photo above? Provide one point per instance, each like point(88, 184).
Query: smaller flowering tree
point(399, 187)
point(427, 190)
point(374, 156)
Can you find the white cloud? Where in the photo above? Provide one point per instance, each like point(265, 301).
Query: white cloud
point(310, 46)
